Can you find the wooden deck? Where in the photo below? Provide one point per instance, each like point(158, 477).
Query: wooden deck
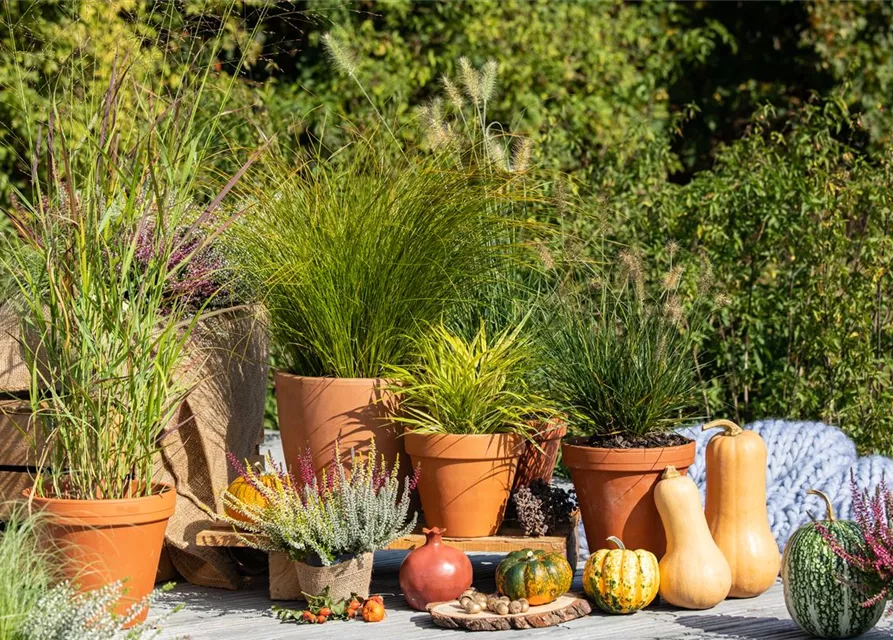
point(212, 614)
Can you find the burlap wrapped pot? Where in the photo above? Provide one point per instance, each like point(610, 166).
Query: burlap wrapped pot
point(343, 579)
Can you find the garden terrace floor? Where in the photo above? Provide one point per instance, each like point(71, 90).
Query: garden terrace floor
point(213, 614)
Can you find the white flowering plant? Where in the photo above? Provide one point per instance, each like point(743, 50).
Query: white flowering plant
point(358, 506)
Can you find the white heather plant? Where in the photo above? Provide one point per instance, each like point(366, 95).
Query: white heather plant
point(346, 513)
point(64, 614)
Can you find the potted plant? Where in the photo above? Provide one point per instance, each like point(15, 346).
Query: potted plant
point(465, 406)
point(329, 526)
point(624, 369)
point(354, 258)
point(104, 338)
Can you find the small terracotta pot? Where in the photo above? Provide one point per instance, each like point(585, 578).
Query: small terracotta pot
point(539, 464)
point(465, 480)
point(315, 412)
point(104, 541)
point(615, 490)
point(434, 572)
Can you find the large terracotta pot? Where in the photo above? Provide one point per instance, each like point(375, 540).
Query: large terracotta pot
point(315, 412)
point(434, 572)
point(104, 541)
point(615, 490)
point(465, 480)
point(539, 457)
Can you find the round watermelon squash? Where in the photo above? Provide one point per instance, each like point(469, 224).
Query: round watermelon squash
point(819, 589)
point(539, 576)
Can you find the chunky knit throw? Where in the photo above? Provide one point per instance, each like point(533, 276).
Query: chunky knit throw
point(802, 455)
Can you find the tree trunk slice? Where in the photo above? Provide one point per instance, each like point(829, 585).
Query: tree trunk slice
point(450, 615)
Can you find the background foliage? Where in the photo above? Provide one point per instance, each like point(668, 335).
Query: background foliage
point(757, 134)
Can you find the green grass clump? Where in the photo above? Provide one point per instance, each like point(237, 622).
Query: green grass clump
point(469, 386)
point(356, 255)
point(26, 572)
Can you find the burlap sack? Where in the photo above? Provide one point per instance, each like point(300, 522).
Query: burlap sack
point(226, 366)
point(14, 374)
point(342, 579)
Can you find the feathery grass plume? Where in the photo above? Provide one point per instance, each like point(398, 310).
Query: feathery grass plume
point(487, 79)
point(521, 155)
point(356, 507)
point(453, 93)
point(356, 257)
point(471, 80)
point(495, 150)
point(341, 56)
point(673, 277)
point(464, 386)
point(672, 248)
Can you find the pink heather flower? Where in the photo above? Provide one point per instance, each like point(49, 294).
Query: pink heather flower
point(874, 516)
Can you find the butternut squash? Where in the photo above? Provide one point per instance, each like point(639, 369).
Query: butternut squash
point(736, 508)
point(693, 573)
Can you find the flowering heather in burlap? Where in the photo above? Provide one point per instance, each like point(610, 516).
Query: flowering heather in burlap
point(356, 508)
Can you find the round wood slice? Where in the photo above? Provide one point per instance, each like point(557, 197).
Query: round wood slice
point(450, 615)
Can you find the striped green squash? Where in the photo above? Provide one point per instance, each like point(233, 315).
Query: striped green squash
point(818, 589)
point(539, 576)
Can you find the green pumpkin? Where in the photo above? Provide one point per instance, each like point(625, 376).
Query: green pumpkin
point(818, 589)
point(539, 576)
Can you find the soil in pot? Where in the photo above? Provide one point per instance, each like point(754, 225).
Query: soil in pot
point(539, 457)
point(105, 541)
point(465, 480)
point(615, 486)
point(316, 412)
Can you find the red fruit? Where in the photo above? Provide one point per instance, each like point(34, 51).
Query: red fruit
point(307, 616)
point(321, 619)
point(325, 611)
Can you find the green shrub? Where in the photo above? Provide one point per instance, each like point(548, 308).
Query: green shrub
point(797, 229)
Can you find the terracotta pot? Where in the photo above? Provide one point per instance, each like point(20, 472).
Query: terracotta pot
point(315, 412)
point(615, 490)
point(539, 464)
point(434, 572)
point(466, 479)
point(103, 541)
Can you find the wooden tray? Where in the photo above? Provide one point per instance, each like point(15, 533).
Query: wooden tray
point(450, 615)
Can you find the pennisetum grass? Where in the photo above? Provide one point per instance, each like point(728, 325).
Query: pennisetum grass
point(26, 571)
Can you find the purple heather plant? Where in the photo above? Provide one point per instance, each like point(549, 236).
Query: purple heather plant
point(874, 517)
point(194, 283)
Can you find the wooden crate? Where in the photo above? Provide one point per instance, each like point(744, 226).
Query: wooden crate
point(17, 458)
point(283, 578)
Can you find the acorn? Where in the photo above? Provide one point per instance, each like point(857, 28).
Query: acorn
point(515, 606)
point(502, 609)
point(525, 605)
point(472, 608)
point(464, 601)
point(480, 598)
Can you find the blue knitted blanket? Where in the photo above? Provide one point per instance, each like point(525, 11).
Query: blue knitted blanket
point(802, 455)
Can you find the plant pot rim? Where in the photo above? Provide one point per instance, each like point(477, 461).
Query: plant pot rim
point(583, 457)
point(327, 380)
point(117, 511)
point(471, 446)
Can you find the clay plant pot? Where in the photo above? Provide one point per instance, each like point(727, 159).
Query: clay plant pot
point(465, 480)
point(316, 412)
point(539, 458)
point(434, 572)
point(615, 490)
point(104, 541)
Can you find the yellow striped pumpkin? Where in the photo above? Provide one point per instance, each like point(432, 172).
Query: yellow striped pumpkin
point(620, 580)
